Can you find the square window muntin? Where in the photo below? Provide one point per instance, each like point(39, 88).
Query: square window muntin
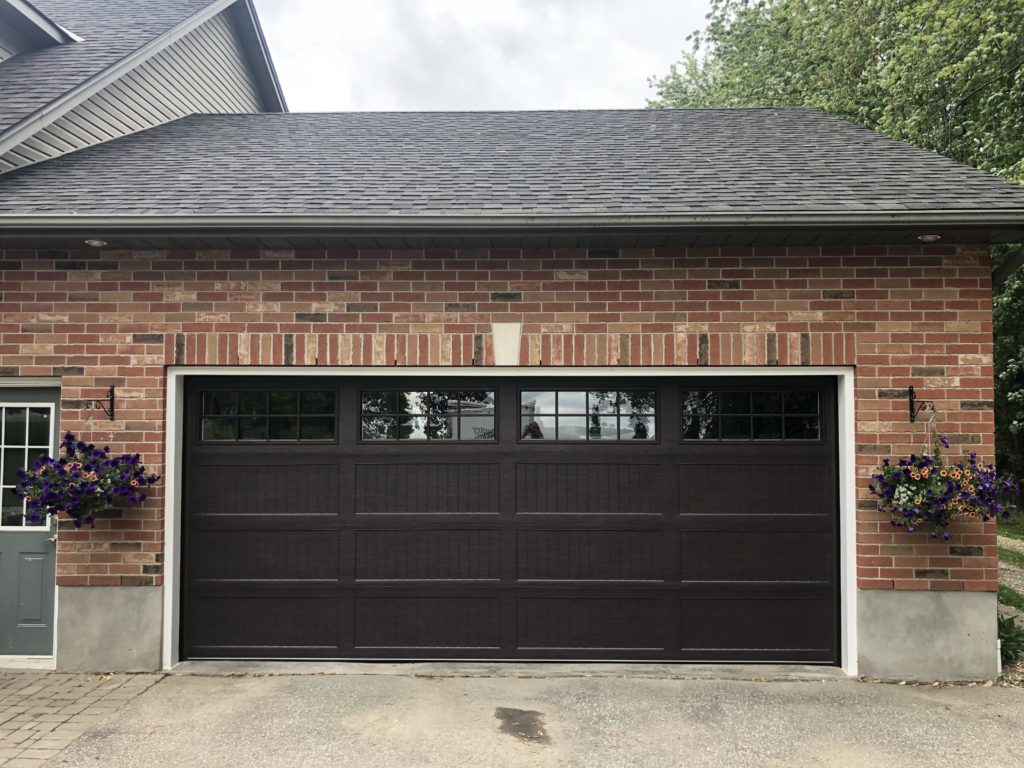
point(25, 448)
point(442, 415)
point(573, 412)
point(719, 415)
point(268, 415)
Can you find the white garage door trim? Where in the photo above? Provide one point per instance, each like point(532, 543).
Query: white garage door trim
point(847, 462)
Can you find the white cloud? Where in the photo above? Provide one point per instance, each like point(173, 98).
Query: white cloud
point(334, 55)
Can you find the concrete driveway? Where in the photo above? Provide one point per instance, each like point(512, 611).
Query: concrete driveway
point(381, 720)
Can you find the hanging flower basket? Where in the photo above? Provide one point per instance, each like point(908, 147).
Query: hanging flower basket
point(84, 481)
point(924, 493)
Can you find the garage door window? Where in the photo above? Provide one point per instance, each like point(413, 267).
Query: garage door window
point(573, 415)
point(751, 415)
point(436, 415)
point(264, 416)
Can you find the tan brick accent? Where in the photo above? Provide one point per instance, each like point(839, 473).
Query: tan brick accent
point(901, 315)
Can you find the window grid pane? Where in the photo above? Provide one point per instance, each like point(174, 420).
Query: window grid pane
point(596, 415)
point(268, 416)
point(427, 416)
point(768, 415)
point(25, 435)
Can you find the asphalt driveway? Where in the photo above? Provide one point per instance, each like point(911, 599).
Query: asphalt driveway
point(377, 721)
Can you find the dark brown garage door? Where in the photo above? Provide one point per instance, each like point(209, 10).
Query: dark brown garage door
point(675, 519)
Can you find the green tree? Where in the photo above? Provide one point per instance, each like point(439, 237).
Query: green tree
point(944, 75)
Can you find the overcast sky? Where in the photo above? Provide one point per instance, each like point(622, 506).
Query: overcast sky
point(334, 55)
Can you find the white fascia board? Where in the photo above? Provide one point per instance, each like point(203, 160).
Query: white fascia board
point(57, 108)
point(43, 23)
point(174, 458)
point(268, 76)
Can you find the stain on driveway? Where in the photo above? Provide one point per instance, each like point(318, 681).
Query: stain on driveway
point(525, 724)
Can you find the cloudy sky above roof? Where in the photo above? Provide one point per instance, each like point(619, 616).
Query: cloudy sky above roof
point(474, 54)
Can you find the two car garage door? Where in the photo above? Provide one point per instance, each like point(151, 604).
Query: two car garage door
point(643, 519)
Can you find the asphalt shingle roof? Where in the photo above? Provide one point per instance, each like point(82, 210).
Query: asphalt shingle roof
point(111, 30)
point(505, 163)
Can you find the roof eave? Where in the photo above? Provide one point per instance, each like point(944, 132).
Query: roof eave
point(267, 222)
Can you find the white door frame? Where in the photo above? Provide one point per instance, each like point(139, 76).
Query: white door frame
point(174, 448)
point(14, 382)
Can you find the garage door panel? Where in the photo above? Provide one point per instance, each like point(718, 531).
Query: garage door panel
point(757, 555)
point(758, 624)
point(427, 488)
point(283, 555)
point(600, 548)
point(590, 555)
point(428, 555)
point(587, 488)
point(278, 626)
point(755, 489)
point(264, 489)
point(428, 622)
point(580, 622)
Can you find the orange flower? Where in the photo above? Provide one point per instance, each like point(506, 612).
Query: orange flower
point(134, 482)
point(917, 501)
point(915, 475)
point(943, 473)
point(924, 472)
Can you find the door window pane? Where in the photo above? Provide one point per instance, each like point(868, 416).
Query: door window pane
point(534, 428)
point(264, 415)
point(39, 427)
point(15, 426)
point(316, 428)
point(284, 403)
point(27, 433)
point(428, 415)
point(638, 427)
point(751, 415)
point(316, 402)
point(219, 429)
point(252, 403)
point(572, 402)
point(13, 509)
point(572, 428)
point(538, 402)
point(595, 415)
point(252, 428)
point(283, 428)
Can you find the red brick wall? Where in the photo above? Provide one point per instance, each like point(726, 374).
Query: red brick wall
point(902, 316)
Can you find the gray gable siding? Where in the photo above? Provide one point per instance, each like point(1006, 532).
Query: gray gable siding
point(205, 71)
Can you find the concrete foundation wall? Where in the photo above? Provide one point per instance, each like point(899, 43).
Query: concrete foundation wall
point(927, 636)
point(108, 629)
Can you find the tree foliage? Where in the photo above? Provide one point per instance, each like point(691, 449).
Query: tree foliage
point(944, 75)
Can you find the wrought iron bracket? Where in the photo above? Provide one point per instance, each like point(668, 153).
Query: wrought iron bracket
point(107, 405)
point(916, 406)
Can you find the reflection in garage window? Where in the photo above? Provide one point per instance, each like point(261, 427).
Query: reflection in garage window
point(268, 415)
point(573, 415)
point(434, 415)
point(751, 415)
